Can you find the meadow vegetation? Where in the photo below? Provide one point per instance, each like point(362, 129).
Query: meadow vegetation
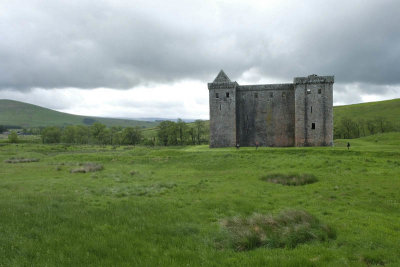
point(287, 229)
point(191, 205)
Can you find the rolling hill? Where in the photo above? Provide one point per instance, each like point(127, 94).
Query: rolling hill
point(28, 115)
point(388, 109)
point(15, 113)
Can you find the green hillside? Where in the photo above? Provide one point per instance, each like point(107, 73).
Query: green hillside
point(22, 114)
point(388, 109)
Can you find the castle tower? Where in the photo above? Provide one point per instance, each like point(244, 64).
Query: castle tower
point(222, 94)
point(314, 110)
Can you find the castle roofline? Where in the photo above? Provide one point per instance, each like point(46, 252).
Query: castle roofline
point(314, 79)
point(221, 78)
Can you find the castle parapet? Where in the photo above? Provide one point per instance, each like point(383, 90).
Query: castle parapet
point(314, 79)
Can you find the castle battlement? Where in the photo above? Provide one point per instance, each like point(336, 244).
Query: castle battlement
point(290, 114)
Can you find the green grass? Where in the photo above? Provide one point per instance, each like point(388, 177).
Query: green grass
point(164, 206)
point(388, 109)
point(288, 229)
point(15, 113)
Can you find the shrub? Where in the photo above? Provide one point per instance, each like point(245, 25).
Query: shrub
point(88, 167)
point(13, 137)
point(287, 229)
point(290, 179)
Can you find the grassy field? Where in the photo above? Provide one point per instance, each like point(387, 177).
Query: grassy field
point(26, 115)
point(166, 206)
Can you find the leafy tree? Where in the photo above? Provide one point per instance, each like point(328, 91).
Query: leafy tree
point(132, 135)
point(348, 126)
point(383, 124)
point(82, 134)
point(99, 133)
point(199, 125)
point(116, 135)
point(192, 134)
point(181, 128)
point(13, 137)
point(167, 133)
point(68, 135)
point(51, 134)
point(371, 126)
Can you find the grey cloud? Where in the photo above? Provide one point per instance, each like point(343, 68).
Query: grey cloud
point(89, 44)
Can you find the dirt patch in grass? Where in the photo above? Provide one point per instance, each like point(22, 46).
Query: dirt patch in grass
point(20, 160)
point(88, 167)
point(290, 179)
point(285, 230)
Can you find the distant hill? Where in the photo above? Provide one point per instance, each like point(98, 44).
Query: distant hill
point(15, 113)
point(388, 109)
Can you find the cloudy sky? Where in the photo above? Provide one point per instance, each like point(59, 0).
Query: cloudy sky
point(138, 59)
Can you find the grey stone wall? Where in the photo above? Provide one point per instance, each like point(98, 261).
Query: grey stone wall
point(222, 111)
point(296, 114)
point(266, 115)
point(314, 110)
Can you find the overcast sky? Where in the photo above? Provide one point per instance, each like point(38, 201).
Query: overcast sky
point(149, 58)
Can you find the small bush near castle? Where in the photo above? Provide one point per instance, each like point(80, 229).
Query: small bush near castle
point(286, 230)
point(290, 179)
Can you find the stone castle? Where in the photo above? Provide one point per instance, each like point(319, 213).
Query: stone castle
point(282, 115)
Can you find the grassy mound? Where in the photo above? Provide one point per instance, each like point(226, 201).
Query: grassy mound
point(287, 229)
point(20, 160)
point(290, 179)
point(88, 167)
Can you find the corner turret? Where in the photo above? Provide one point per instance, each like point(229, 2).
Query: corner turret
point(222, 99)
point(314, 110)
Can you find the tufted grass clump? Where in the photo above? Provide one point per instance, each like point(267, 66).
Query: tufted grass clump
point(88, 167)
point(20, 160)
point(290, 179)
point(285, 230)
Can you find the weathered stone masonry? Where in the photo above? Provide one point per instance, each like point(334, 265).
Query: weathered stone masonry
point(293, 114)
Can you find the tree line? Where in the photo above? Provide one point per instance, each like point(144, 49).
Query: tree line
point(347, 128)
point(167, 133)
point(170, 133)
